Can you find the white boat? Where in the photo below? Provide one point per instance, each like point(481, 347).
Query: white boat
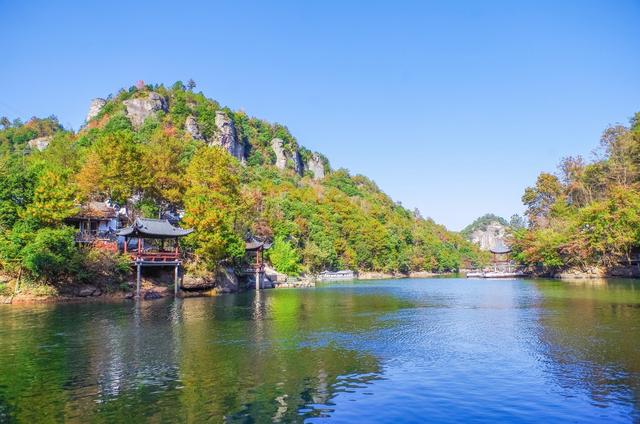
point(495, 274)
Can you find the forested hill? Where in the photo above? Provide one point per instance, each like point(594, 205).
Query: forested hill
point(588, 213)
point(158, 149)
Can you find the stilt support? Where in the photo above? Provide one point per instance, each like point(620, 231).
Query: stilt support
point(138, 276)
point(175, 292)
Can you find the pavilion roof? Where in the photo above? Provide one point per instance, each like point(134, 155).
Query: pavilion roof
point(153, 228)
point(255, 244)
point(500, 248)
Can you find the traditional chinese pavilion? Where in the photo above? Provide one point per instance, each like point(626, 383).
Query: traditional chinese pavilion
point(155, 243)
point(500, 256)
point(254, 254)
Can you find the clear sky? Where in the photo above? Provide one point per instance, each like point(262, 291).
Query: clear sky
point(451, 106)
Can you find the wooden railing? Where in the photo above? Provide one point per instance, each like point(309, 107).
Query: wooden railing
point(156, 256)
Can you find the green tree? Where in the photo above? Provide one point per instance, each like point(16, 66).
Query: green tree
point(284, 257)
point(51, 255)
point(213, 206)
point(54, 199)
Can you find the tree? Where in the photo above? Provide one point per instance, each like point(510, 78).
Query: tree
point(213, 206)
point(114, 168)
point(191, 84)
point(52, 254)
point(5, 122)
point(284, 257)
point(162, 157)
point(540, 198)
point(53, 200)
point(516, 222)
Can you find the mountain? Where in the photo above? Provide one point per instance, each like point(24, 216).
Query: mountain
point(487, 232)
point(155, 150)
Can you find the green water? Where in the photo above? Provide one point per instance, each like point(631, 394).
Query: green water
point(384, 351)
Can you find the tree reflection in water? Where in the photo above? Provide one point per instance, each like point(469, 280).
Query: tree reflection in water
point(589, 334)
point(234, 357)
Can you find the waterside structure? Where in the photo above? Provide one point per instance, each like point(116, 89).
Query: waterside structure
point(155, 243)
point(501, 264)
point(254, 255)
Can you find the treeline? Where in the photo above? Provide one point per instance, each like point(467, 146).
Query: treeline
point(341, 221)
point(588, 214)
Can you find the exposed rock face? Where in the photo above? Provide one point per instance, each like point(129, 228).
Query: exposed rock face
point(493, 234)
point(40, 143)
point(298, 165)
point(224, 280)
point(281, 156)
point(226, 136)
point(141, 108)
point(191, 126)
point(95, 107)
point(316, 166)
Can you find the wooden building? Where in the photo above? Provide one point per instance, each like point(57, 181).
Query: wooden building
point(500, 257)
point(97, 224)
point(254, 256)
point(155, 243)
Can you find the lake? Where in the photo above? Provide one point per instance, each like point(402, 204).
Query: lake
point(393, 351)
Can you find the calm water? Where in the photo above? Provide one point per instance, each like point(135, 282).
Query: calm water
point(386, 351)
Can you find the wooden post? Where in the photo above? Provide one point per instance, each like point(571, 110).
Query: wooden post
point(126, 241)
point(257, 269)
point(175, 289)
point(138, 276)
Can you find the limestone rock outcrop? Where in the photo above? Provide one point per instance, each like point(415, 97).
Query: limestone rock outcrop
point(316, 166)
point(141, 108)
point(95, 107)
point(191, 126)
point(226, 136)
point(490, 236)
point(40, 143)
point(283, 156)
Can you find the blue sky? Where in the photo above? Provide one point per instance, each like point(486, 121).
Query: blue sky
point(452, 107)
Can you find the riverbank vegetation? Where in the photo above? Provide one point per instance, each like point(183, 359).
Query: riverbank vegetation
point(588, 214)
point(334, 222)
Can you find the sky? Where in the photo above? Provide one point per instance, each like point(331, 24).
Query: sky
point(453, 107)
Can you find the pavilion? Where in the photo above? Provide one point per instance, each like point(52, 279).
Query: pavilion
point(500, 256)
point(151, 248)
point(255, 248)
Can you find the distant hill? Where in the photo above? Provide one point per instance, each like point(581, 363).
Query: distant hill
point(486, 231)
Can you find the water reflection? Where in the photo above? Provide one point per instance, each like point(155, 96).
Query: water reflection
point(387, 351)
point(590, 335)
point(195, 359)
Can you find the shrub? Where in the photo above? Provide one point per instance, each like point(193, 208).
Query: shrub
point(103, 268)
point(52, 255)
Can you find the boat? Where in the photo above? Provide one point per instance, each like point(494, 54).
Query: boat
point(496, 274)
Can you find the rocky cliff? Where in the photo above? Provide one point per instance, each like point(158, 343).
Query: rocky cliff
point(487, 231)
point(40, 143)
point(95, 107)
point(226, 136)
point(283, 156)
point(216, 127)
point(141, 108)
point(489, 237)
point(191, 127)
point(316, 166)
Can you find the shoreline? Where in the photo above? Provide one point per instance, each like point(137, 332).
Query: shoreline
point(162, 292)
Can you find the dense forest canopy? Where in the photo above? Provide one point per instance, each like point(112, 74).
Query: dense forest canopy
point(588, 214)
point(336, 221)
